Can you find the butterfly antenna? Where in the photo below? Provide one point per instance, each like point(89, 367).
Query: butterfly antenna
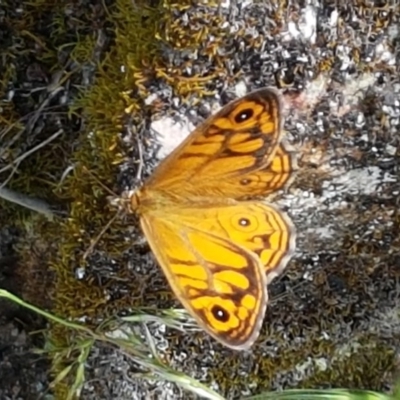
point(140, 151)
point(96, 240)
point(107, 189)
point(140, 167)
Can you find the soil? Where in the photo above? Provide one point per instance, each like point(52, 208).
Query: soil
point(23, 372)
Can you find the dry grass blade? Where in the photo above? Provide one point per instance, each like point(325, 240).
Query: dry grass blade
point(37, 205)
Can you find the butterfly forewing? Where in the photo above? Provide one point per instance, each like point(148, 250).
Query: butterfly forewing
point(241, 138)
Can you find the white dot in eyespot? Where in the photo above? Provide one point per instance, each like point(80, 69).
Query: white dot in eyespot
point(244, 222)
point(244, 115)
point(220, 313)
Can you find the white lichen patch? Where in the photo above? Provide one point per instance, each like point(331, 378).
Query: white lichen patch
point(170, 133)
point(365, 181)
point(305, 27)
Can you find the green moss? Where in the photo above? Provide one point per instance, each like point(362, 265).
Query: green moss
point(32, 54)
point(367, 366)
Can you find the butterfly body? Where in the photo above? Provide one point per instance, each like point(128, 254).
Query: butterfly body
point(216, 244)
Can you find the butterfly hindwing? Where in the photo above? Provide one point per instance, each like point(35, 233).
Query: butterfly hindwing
point(213, 259)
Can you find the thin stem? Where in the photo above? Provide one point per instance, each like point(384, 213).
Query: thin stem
point(27, 202)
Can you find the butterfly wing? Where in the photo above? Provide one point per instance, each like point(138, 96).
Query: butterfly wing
point(214, 258)
point(218, 254)
point(235, 153)
point(262, 182)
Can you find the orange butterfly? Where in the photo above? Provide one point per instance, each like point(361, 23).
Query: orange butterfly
point(217, 245)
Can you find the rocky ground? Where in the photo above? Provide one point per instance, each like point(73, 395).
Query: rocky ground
point(148, 72)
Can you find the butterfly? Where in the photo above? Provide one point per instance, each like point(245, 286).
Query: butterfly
point(218, 243)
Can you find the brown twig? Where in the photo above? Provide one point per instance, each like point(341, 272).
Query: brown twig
point(18, 160)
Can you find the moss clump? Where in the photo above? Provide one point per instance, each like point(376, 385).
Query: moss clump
point(364, 367)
